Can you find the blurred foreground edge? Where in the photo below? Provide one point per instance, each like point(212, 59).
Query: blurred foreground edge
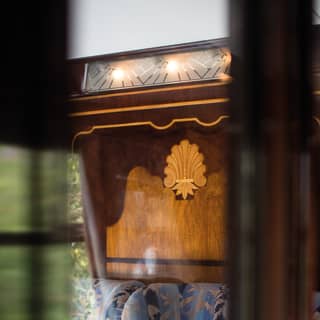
point(271, 233)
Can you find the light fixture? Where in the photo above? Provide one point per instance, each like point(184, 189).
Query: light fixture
point(117, 74)
point(172, 65)
point(224, 76)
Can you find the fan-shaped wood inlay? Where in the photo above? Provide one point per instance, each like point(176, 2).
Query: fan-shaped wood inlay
point(185, 169)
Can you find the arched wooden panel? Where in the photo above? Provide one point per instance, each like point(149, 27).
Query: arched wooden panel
point(151, 233)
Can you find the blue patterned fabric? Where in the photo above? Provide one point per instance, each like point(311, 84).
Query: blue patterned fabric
point(132, 300)
point(201, 301)
point(164, 299)
point(157, 302)
point(178, 302)
point(136, 307)
point(316, 299)
point(316, 306)
point(111, 297)
point(221, 304)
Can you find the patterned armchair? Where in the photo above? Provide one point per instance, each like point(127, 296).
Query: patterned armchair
point(133, 300)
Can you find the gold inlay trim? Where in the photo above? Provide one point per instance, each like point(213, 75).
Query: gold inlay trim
point(221, 83)
point(167, 89)
point(149, 107)
point(145, 91)
point(147, 123)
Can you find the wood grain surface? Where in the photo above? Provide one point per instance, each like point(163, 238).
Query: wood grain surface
point(152, 223)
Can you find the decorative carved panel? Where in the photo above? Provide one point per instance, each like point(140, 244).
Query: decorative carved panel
point(185, 169)
point(149, 233)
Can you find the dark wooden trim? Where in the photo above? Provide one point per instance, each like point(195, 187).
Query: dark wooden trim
point(30, 238)
point(128, 91)
point(212, 263)
point(66, 234)
point(197, 45)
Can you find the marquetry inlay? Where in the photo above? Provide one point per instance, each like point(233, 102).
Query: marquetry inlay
point(185, 169)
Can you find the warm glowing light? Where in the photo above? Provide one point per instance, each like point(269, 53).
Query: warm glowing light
point(172, 66)
point(117, 74)
point(224, 77)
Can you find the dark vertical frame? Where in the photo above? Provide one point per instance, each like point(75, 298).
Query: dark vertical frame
point(269, 203)
point(315, 159)
point(33, 115)
point(245, 175)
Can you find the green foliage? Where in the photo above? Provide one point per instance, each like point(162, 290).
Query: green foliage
point(82, 295)
point(16, 165)
point(75, 215)
point(83, 302)
point(83, 298)
point(80, 260)
point(21, 172)
point(14, 191)
point(75, 210)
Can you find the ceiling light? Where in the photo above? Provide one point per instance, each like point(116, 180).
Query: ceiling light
point(172, 66)
point(118, 74)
